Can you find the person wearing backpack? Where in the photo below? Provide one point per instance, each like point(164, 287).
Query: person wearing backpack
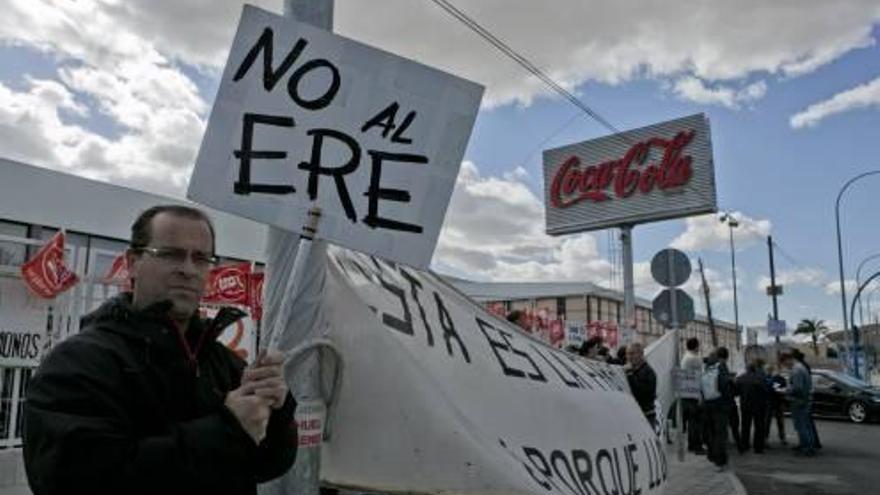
point(717, 389)
point(693, 414)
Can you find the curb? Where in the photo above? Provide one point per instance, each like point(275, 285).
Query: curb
point(737, 484)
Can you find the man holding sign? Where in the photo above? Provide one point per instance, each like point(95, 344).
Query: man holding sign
point(144, 399)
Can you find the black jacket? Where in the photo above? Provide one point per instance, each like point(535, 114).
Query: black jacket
point(643, 384)
point(752, 389)
point(120, 409)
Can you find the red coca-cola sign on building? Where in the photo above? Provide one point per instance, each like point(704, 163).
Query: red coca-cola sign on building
point(654, 173)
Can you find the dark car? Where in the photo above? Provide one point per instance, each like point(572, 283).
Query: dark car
point(836, 394)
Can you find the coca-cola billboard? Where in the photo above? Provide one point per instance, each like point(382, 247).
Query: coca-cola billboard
point(653, 173)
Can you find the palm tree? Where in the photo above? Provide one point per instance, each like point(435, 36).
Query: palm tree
point(813, 327)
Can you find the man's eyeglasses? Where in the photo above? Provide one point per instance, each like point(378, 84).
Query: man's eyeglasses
point(178, 256)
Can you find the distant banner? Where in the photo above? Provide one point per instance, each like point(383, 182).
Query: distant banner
point(441, 396)
point(256, 297)
point(608, 331)
point(24, 319)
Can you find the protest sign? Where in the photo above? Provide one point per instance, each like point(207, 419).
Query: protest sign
point(304, 117)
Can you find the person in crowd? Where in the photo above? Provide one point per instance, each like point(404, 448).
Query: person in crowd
point(733, 408)
point(642, 381)
point(620, 357)
point(799, 356)
point(716, 406)
point(145, 400)
point(691, 408)
point(799, 391)
point(776, 404)
point(590, 348)
point(519, 319)
point(754, 397)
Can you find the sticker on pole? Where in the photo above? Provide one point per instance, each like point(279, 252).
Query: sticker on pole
point(306, 118)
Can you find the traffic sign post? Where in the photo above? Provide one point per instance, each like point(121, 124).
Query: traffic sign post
point(673, 308)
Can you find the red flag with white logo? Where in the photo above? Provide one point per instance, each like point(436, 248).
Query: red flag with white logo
point(118, 273)
point(45, 274)
point(229, 284)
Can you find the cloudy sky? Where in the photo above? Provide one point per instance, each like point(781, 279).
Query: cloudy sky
point(120, 90)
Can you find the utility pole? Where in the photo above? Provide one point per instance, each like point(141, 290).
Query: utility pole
point(774, 291)
point(708, 306)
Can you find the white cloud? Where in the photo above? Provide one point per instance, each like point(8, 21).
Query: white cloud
point(575, 42)
point(863, 96)
point(578, 41)
point(812, 277)
point(125, 59)
point(123, 75)
point(832, 288)
point(707, 232)
point(495, 230)
point(696, 90)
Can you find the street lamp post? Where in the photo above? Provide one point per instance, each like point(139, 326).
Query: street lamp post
point(840, 247)
point(732, 223)
point(859, 282)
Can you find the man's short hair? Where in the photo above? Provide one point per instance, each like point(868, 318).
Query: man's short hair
point(722, 353)
point(140, 230)
point(514, 316)
point(692, 344)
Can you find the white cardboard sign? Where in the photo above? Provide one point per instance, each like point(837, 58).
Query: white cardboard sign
point(304, 117)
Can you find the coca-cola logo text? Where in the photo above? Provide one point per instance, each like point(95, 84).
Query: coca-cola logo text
point(573, 184)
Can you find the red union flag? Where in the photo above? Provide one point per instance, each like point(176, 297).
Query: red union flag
point(118, 273)
point(45, 274)
point(229, 285)
point(256, 289)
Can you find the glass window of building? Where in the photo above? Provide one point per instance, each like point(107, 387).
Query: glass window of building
point(12, 253)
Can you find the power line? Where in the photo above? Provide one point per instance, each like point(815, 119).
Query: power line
point(791, 259)
point(504, 48)
point(524, 62)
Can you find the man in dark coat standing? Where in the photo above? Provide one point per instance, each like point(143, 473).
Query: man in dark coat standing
point(642, 381)
point(754, 399)
point(144, 400)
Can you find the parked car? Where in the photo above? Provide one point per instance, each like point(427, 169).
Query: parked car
point(836, 394)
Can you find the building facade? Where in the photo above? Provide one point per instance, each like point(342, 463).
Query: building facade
point(588, 303)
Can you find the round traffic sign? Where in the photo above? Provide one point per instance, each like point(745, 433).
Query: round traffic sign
point(670, 267)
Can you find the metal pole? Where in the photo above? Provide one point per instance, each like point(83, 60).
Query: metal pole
point(773, 288)
point(629, 296)
point(731, 223)
point(859, 282)
point(852, 311)
point(304, 476)
point(840, 246)
point(712, 330)
point(679, 414)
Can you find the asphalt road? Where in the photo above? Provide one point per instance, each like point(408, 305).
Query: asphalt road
point(849, 463)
